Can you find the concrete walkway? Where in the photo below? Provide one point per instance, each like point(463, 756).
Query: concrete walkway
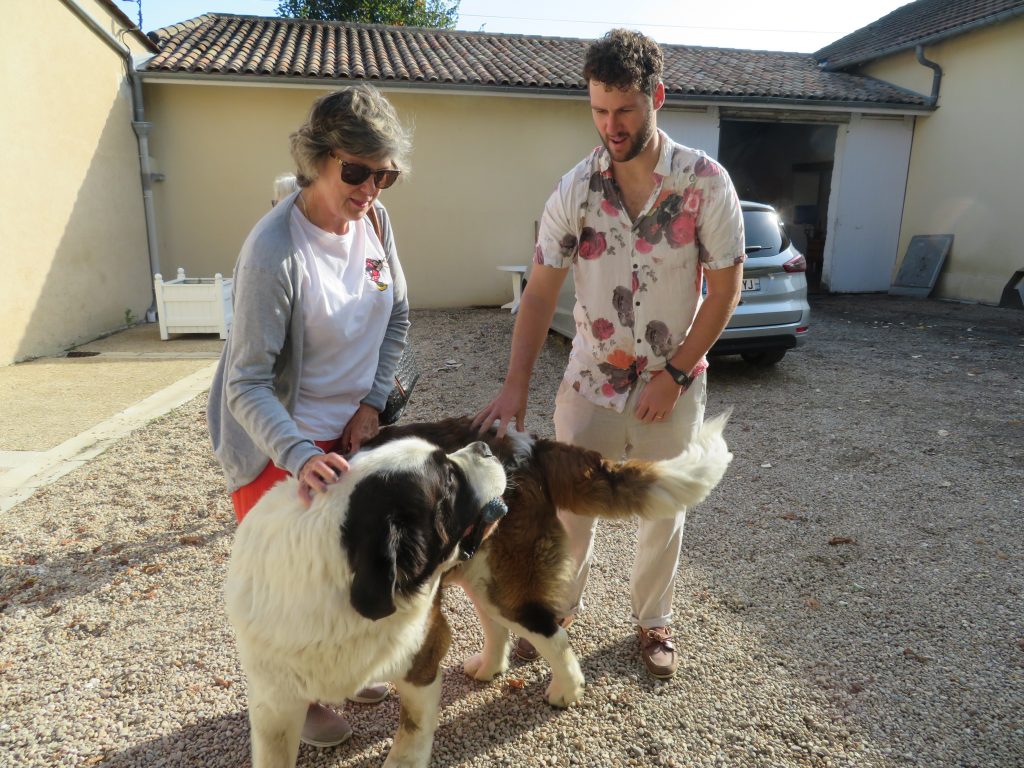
point(60, 412)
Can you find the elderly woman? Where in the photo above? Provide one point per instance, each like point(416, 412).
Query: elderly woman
point(320, 321)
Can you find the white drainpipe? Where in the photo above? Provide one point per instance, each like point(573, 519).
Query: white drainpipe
point(141, 128)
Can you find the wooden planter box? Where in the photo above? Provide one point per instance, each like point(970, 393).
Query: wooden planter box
point(193, 304)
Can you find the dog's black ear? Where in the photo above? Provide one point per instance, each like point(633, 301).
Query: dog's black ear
point(375, 573)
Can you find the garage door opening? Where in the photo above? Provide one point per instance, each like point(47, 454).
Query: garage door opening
point(788, 166)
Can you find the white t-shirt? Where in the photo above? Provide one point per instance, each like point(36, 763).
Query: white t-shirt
point(347, 301)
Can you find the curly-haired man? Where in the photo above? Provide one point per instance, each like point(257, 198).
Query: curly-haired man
point(669, 220)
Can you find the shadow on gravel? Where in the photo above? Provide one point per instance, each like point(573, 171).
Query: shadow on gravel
point(204, 743)
point(39, 579)
point(224, 740)
point(732, 369)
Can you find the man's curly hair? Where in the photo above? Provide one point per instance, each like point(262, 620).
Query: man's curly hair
point(625, 59)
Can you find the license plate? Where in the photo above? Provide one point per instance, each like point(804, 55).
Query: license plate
point(751, 284)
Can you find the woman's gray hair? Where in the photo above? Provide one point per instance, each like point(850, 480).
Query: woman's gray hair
point(356, 119)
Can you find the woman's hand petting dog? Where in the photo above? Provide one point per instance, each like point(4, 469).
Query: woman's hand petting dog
point(364, 425)
point(319, 472)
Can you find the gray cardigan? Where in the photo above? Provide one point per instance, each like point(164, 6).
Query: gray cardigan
point(253, 395)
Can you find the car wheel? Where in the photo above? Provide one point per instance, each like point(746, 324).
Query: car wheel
point(764, 358)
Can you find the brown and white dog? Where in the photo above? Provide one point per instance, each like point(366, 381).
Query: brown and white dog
point(327, 598)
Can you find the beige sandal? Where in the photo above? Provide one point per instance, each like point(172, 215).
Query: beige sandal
point(374, 693)
point(324, 727)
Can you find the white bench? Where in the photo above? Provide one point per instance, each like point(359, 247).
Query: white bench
point(193, 304)
point(518, 272)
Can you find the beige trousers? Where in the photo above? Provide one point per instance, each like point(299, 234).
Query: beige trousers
point(619, 436)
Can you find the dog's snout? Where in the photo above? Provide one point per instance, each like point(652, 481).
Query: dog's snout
point(482, 449)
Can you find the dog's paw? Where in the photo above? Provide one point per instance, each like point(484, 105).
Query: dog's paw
point(402, 756)
point(477, 668)
point(564, 693)
point(406, 761)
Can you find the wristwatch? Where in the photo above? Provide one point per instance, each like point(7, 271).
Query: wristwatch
point(681, 378)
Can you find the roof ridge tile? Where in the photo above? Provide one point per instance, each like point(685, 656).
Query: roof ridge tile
point(239, 45)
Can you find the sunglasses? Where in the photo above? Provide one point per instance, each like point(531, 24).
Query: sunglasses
point(357, 173)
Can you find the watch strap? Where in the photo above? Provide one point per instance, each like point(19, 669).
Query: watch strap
point(681, 378)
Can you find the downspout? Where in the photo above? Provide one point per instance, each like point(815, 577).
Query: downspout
point(936, 76)
point(141, 128)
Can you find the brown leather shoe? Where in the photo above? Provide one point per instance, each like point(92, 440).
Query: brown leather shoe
point(525, 651)
point(658, 651)
point(524, 648)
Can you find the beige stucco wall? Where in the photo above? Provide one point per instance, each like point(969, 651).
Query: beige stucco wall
point(482, 168)
point(72, 233)
point(966, 166)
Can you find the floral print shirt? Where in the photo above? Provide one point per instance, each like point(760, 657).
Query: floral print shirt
point(638, 283)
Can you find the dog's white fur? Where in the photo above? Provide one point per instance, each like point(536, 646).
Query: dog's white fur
point(299, 639)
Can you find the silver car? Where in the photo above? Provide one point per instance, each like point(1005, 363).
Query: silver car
point(773, 314)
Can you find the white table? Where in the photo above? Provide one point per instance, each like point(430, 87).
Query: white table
point(517, 271)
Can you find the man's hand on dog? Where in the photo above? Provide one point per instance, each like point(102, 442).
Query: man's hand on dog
point(319, 472)
point(509, 406)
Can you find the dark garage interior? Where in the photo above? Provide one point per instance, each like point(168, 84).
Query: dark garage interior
point(788, 166)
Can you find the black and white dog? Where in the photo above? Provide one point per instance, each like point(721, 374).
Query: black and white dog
point(327, 598)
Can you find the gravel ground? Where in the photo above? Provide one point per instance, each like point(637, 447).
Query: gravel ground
point(849, 596)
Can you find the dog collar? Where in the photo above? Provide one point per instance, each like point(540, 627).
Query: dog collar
point(474, 536)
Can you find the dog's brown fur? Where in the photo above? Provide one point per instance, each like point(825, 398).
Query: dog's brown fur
point(519, 576)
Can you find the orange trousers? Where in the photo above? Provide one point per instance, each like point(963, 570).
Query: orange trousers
point(245, 498)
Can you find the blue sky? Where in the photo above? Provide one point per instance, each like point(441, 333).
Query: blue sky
point(785, 25)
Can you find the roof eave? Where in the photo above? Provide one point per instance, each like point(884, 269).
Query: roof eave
point(129, 26)
point(278, 81)
point(930, 40)
point(843, 105)
point(561, 92)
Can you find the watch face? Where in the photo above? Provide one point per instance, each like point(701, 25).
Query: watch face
point(681, 378)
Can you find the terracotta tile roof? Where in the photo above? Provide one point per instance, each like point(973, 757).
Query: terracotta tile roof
point(921, 22)
point(224, 45)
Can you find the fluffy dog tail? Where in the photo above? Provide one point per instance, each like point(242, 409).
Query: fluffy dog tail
point(583, 482)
